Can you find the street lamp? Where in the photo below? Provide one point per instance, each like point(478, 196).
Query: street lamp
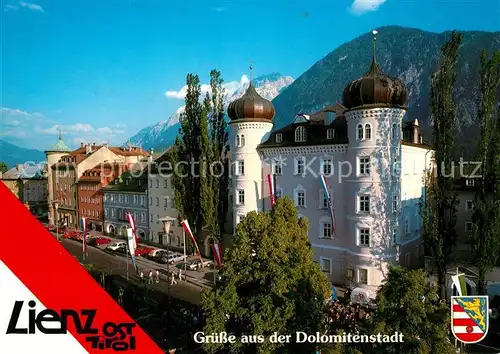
point(167, 222)
point(56, 207)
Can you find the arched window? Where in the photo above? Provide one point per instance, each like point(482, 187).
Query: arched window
point(300, 134)
point(368, 131)
point(237, 141)
point(242, 140)
point(394, 131)
point(360, 132)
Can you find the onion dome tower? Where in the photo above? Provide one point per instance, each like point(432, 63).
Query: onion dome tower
point(251, 123)
point(376, 105)
point(52, 156)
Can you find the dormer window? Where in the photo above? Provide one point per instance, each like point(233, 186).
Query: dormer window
point(469, 182)
point(238, 141)
point(242, 138)
point(330, 133)
point(300, 134)
point(279, 138)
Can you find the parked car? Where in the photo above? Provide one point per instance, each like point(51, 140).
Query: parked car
point(122, 248)
point(195, 264)
point(152, 254)
point(159, 256)
point(98, 241)
point(176, 257)
point(116, 245)
point(142, 251)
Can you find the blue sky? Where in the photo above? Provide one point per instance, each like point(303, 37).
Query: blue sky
point(101, 68)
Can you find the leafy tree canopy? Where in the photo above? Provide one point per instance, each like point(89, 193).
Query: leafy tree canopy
point(3, 167)
point(270, 283)
point(407, 303)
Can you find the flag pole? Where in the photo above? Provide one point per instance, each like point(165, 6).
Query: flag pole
point(185, 255)
point(126, 256)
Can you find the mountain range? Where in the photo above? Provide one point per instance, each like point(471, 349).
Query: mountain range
point(407, 53)
point(13, 154)
point(162, 134)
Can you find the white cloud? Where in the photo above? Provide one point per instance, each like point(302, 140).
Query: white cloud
point(230, 88)
point(31, 6)
point(10, 7)
point(361, 6)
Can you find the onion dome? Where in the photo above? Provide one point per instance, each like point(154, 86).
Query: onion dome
point(375, 89)
point(251, 106)
point(60, 146)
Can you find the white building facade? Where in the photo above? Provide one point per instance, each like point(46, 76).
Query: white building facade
point(374, 166)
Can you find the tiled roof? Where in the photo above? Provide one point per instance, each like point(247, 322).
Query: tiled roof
point(23, 172)
point(60, 146)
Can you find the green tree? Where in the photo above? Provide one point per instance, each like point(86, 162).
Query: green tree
point(270, 283)
point(485, 236)
point(408, 304)
point(440, 212)
point(3, 167)
point(190, 153)
point(216, 206)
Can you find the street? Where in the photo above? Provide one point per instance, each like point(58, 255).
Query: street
point(116, 264)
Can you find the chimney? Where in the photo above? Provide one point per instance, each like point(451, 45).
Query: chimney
point(88, 149)
point(93, 144)
point(81, 145)
point(416, 132)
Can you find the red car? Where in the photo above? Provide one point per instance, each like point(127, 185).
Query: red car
point(71, 234)
point(141, 250)
point(102, 241)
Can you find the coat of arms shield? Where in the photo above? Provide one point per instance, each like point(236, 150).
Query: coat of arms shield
point(469, 318)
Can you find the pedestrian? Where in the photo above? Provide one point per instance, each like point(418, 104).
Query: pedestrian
point(150, 281)
point(142, 276)
point(180, 274)
point(157, 277)
point(173, 279)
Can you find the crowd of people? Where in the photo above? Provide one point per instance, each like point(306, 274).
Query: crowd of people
point(154, 277)
point(346, 315)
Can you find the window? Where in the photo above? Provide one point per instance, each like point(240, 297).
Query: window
point(142, 199)
point(408, 259)
point(166, 183)
point(360, 132)
point(330, 133)
point(395, 236)
point(469, 182)
point(368, 131)
point(394, 131)
point(326, 265)
point(242, 142)
point(327, 167)
point(126, 198)
point(364, 166)
point(326, 227)
point(468, 227)
point(106, 212)
point(136, 199)
point(469, 205)
point(279, 138)
point(143, 217)
point(300, 134)
point(166, 202)
point(300, 198)
point(151, 217)
point(363, 276)
point(157, 201)
point(323, 200)
point(299, 165)
point(350, 274)
point(277, 168)
point(150, 183)
point(238, 141)
point(120, 198)
point(157, 183)
point(364, 237)
point(279, 192)
point(113, 212)
point(407, 226)
point(395, 202)
point(150, 200)
point(241, 197)
point(364, 204)
point(241, 168)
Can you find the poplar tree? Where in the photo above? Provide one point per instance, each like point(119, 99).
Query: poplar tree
point(190, 154)
point(440, 206)
point(216, 205)
point(485, 236)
